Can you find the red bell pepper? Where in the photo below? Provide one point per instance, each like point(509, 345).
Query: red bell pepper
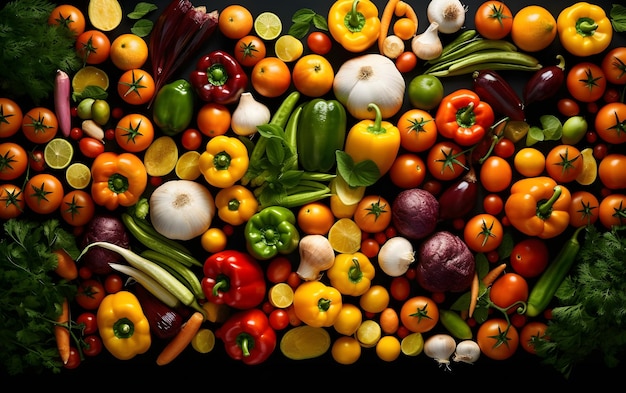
point(219, 78)
point(248, 336)
point(463, 117)
point(233, 278)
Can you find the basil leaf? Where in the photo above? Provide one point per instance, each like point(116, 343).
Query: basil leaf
point(142, 27)
point(618, 18)
point(141, 10)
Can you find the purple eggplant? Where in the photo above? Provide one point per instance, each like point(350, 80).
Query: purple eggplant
point(164, 321)
point(459, 198)
point(497, 92)
point(544, 83)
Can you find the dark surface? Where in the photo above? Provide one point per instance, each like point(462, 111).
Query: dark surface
point(216, 370)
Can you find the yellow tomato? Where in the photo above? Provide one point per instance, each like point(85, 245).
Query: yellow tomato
point(346, 350)
point(213, 240)
point(375, 300)
point(348, 320)
point(388, 348)
point(313, 75)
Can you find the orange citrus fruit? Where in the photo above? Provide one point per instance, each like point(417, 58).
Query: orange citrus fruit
point(534, 28)
point(129, 51)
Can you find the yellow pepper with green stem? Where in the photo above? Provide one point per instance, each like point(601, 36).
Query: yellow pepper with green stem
point(354, 24)
point(584, 29)
point(317, 304)
point(224, 161)
point(351, 274)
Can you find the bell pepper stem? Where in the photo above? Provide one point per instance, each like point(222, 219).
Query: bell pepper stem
point(586, 26)
point(355, 22)
point(376, 128)
point(544, 208)
point(466, 117)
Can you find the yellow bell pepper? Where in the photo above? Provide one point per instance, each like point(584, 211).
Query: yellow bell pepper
point(224, 161)
point(123, 327)
point(354, 24)
point(236, 204)
point(351, 274)
point(584, 29)
point(317, 304)
point(374, 140)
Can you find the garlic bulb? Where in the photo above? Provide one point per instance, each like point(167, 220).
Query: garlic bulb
point(428, 46)
point(249, 114)
point(316, 255)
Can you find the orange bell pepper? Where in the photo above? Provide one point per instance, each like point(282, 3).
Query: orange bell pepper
point(117, 179)
point(538, 206)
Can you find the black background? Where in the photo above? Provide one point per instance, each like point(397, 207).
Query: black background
point(216, 370)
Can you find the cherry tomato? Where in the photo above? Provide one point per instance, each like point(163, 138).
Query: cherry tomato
point(400, 288)
point(419, 314)
point(418, 131)
point(373, 214)
point(529, 257)
point(12, 202)
point(279, 319)
point(508, 291)
point(531, 333)
point(89, 321)
point(90, 147)
point(68, 17)
point(614, 64)
point(346, 350)
point(213, 240)
point(611, 171)
point(583, 209)
point(611, 95)
point(134, 132)
point(77, 208)
point(564, 163)
point(495, 174)
point(191, 139)
point(271, 77)
point(497, 339)
point(493, 204)
point(90, 294)
point(13, 161)
point(249, 50)
point(568, 107)
point(613, 210)
point(610, 123)
point(40, 125)
point(505, 148)
point(93, 46)
point(113, 283)
point(446, 161)
point(483, 232)
point(586, 82)
point(375, 299)
point(319, 43)
point(136, 86)
point(92, 345)
point(36, 160)
point(370, 247)
point(74, 359)
point(278, 270)
point(406, 62)
point(493, 20)
point(213, 119)
point(43, 193)
point(315, 218)
point(408, 171)
point(11, 117)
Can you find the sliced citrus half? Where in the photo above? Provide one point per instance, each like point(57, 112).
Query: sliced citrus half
point(89, 76)
point(203, 341)
point(187, 166)
point(590, 167)
point(161, 156)
point(268, 25)
point(58, 153)
point(412, 344)
point(288, 48)
point(280, 295)
point(345, 236)
point(78, 175)
point(368, 333)
point(305, 342)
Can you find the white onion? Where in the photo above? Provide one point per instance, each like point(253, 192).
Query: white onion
point(181, 209)
point(440, 347)
point(467, 351)
point(395, 256)
point(449, 14)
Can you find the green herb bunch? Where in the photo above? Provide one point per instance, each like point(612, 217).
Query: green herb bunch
point(590, 319)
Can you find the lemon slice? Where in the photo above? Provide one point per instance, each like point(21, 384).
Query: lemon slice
point(203, 341)
point(348, 195)
point(58, 153)
point(305, 342)
point(368, 333)
point(187, 166)
point(267, 25)
point(78, 175)
point(89, 76)
point(288, 48)
point(280, 295)
point(590, 168)
point(105, 15)
point(345, 236)
point(412, 344)
point(161, 156)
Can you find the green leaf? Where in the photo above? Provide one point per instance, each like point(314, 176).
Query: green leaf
point(141, 10)
point(299, 30)
point(618, 18)
point(142, 27)
point(302, 20)
point(303, 15)
point(320, 22)
point(95, 92)
point(362, 174)
point(552, 127)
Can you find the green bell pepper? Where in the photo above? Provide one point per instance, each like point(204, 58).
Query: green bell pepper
point(321, 132)
point(173, 107)
point(271, 231)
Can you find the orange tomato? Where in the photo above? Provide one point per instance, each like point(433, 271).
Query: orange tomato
point(213, 119)
point(12, 202)
point(134, 132)
point(77, 208)
point(583, 210)
point(418, 130)
point(10, 117)
point(315, 218)
point(497, 339)
point(483, 232)
point(564, 163)
point(13, 161)
point(249, 50)
point(496, 174)
point(586, 81)
point(446, 161)
point(493, 20)
point(419, 314)
point(404, 28)
point(533, 28)
point(93, 46)
point(313, 75)
point(129, 51)
point(532, 332)
point(611, 171)
point(373, 214)
point(43, 193)
point(40, 125)
point(271, 77)
point(69, 17)
point(612, 211)
point(408, 171)
point(609, 123)
point(235, 21)
point(136, 86)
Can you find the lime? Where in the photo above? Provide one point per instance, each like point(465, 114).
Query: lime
point(305, 342)
point(288, 48)
point(203, 341)
point(104, 15)
point(78, 175)
point(187, 166)
point(345, 236)
point(590, 167)
point(425, 92)
point(280, 295)
point(58, 153)
point(161, 156)
point(267, 25)
point(368, 333)
point(89, 76)
point(412, 344)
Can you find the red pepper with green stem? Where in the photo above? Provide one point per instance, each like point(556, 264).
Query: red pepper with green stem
point(463, 117)
point(233, 278)
point(248, 336)
point(219, 78)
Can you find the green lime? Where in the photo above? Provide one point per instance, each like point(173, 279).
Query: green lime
point(58, 153)
point(412, 344)
point(425, 92)
point(100, 112)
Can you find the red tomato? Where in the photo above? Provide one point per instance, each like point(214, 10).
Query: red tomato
point(400, 288)
point(92, 345)
point(278, 270)
point(493, 20)
point(89, 321)
point(495, 174)
point(69, 17)
point(191, 139)
point(279, 319)
point(508, 291)
point(43, 193)
point(406, 62)
point(583, 209)
point(614, 65)
point(419, 314)
point(249, 50)
point(610, 123)
point(319, 43)
point(505, 148)
point(408, 171)
point(11, 117)
point(370, 247)
point(313, 75)
point(446, 161)
point(90, 294)
point(611, 171)
point(90, 147)
point(493, 204)
point(613, 210)
point(74, 359)
point(12, 202)
point(271, 77)
point(531, 333)
point(568, 107)
point(113, 283)
point(373, 214)
point(40, 125)
point(93, 46)
point(530, 257)
point(586, 82)
point(483, 232)
point(13, 161)
point(564, 163)
point(497, 339)
point(134, 132)
point(36, 160)
point(77, 208)
point(418, 130)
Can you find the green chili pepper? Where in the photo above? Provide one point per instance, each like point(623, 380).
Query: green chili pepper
point(271, 231)
point(173, 107)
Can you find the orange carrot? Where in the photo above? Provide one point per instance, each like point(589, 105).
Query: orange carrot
point(408, 11)
point(491, 276)
point(385, 22)
point(473, 295)
point(62, 332)
point(66, 267)
point(182, 339)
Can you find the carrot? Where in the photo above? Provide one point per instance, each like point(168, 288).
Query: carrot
point(405, 9)
point(491, 276)
point(182, 339)
point(62, 332)
point(66, 267)
point(473, 294)
point(385, 22)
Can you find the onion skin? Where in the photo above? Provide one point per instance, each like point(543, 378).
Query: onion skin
point(497, 92)
point(459, 198)
point(544, 83)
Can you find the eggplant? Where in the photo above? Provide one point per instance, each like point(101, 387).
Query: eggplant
point(544, 83)
point(497, 92)
point(164, 321)
point(459, 198)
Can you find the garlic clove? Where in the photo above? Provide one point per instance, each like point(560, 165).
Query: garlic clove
point(249, 114)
